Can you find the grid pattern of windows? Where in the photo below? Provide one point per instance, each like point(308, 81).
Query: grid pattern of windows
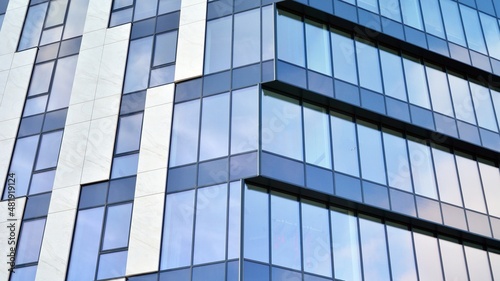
point(124, 11)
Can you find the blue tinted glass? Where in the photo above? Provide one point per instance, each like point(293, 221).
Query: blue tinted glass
point(30, 125)
point(22, 163)
point(42, 182)
point(484, 108)
point(138, 64)
point(396, 156)
point(214, 136)
point(446, 176)
point(37, 206)
point(35, 105)
point(133, 102)
point(495, 95)
point(345, 147)
point(167, 6)
point(461, 99)
point(93, 195)
point(411, 13)
point(371, 153)
point(390, 9)
point(370, 5)
point(218, 45)
point(129, 133)
point(121, 17)
point(317, 136)
point(471, 184)
point(75, 19)
point(473, 30)
point(318, 47)
point(145, 9)
point(416, 83)
point(344, 57)
point(234, 221)
point(30, 241)
point(491, 34)
point(256, 224)
point(255, 272)
point(121, 190)
point(55, 120)
point(178, 275)
point(162, 76)
point(440, 94)
point(452, 22)
point(291, 38)
point(244, 120)
point(62, 84)
point(432, 18)
point(374, 250)
point(401, 254)
point(112, 265)
point(117, 4)
point(48, 152)
point(124, 166)
point(24, 273)
point(117, 226)
point(165, 48)
point(33, 26)
point(184, 147)
point(392, 72)
point(267, 32)
point(422, 169)
point(368, 67)
point(246, 48)
point(213, 272)
point(40, 80)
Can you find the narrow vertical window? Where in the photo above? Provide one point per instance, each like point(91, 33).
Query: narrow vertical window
point(428, 258)
point(256, 224)
point(33, 26)
point(214, 136)
point(392, 72)
point(401, 253)
point(490, 177)
point(446, 175)
point(371, 152)
point(318, 47)
point(477, 263)
point(345, 147)
point(396, 156)
point(416, 82)
point(244, 120)
point(138, 65)
point(344, 57)
point(422, 169)
point(452, 22)
point(473, 31)
point(432, 18)
point(470, 183)
point(440, 93)
point(246, 38)
point(184, 147)
point(218, 44)
point(368, 66)
point(461, 99)
point(317, 136)
point(411, 13)
point(291, 38)
point(373, 249)
point(453, 258)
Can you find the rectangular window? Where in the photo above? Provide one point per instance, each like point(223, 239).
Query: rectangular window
point(452, 255)
point(291, 38)
point(214, 136)
point(470, 183)
point(396, 157)
point(317, 136)
point(440, 93)
point(344, 57)
point(368, 66)
point(374, 249)
point(416, 82)
point(244, 120)
point(452, 22)
point(411, 13)
point(422, 169)
point(371, 152)
point(432, 18)
point(184, 147)
point(483, 107)
point(246, 38)
point(345, 146)
point(428, 258)
point(401, 253)
point(318, 47)
point(138, 65)
point(392, 72)
point(473, 31)
point(256, 224)
point(218, 44)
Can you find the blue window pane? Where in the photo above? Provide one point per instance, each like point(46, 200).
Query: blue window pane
point(33, 26)
point(56, 13)
point(281, 125)
point(345, 147)
point(145, 9)
point(496, 103)
point(62, 84)
point(30, 241)
point(392, 72)
point(178, 275)
point(473, 30)
point(452, 255)
point(178, 225)
point(138, 65)
point(48, 152)
point(22, 163)
point(256, 224)
point(401, 253)
point(432, 18)
point(318, 47)
point(117, 4)
point(411, 13)
point(370, 5)
point(344, 57)
point(167, 6)
point(371, 153)
point(184, 147)
point(471, 184)
point(117, 226)
point(210, 226)
point(291, 38)
point(214, 136)
point(267, 32)
point(446, 176)
point(396, 156)
point(317, 136)
point(213, 272)
point(416, 83)
point(422, 169)
point(374, 250)
point(93, 195)
point(244, 120)
point(125, 166)
point(368, 66)
point(25, 273)
point(162, 76)
point(452, 22)
point(121, 190)
point(246, 38)
point(461, 99)
point(40, 80)
point(483, 106)
point(234, 221)
point(37, 206)
point(165, 48)
point(440, 94)
point(491, 34)
point(86, 242)
point(75, 19)
point(55, 120)
point(121, 17)
point(112, 265)
point(218, 45)
point(255, 272)
point(428, 261)
point(30, 125)
point(129, 133)
point(390, 9)
point(42, 182)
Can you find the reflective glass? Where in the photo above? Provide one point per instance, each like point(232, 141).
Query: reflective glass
point(145, 9)
point(112, 265)
point(63, 82)
point(51, 35)
point(483, 107)
point(246, 48)
point(93, 195)
point(495, 264)
point(345, 147)
point(213, 272)
point(428, 261)
point(374, 250)
point(24, 273)
point(244, 120)
point(492, 34)
point(117, 226)
point(256, 224)
point(416, 83)
point(392, 72)
point(214, 136)
point(234, 221)
point(346, 256)
point(432, 18)
point(30, 241)
point(167, 6)
point(440, 94)
point(473, 30)
point(461, 99)
point(121, 17)
point(267, 32)
point(117, 4)
point(30, 125)
point(33, 26)
point(40, 81)
point(490, 176)
point(48, 152)
point(285, 231)
point(75, 19)
point(422, 170)
point(390, 9)
point(184, 147)
point(454, 266)
point(318, 47)
point(368, 67)
point(22, 163)
point(411, 13)
point(370, 5)
point(165, 48)
point(477, 263)
point(281, 125)
point(396, 156)
point(344, 57)
point(446, 176)
point(495, 95)
point(218, 44)
point(138, 65)
point(121, 190)
point(124, 166)
point(317, 136)
point(371, 153)
point(178, 226)
point(129, 133)
point(291, 38)
point(42, 182)
point(452, 22)
point(316, 239)
point(401, 254)
point(471, 184)
point(55, 120)
point(162, 76)
point(86, 242)
point(56, 13)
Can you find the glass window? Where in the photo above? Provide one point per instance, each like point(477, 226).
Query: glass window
point(318, 47)
point(345, 147)
point(138, 65)
point(454, 266)
point(75, 19)
point(371, 153)
point(24, 273)
point(370, 5)
point(30, 241)
point(234, 221)
point(51, 35)
point(256, 224)
point(471, 184)
point(281, 125)
point(483, 107)
point(446, 175)
point(285, 231)
point(244, 120)
point(401, 254)
point(86, 242)
point(396, 156)
point(490, 176)
point(40, 81)
point(291, 38)
point(129, 133)
point(178, 226)
point(473, 30)
point(461, 99)
point(440, 94)
point(491, 34)
point(35, 105)
point(346, 256)
point(42, 182)
point(267, 32)
point(184, 147)
point(495, 95)
point(218, 44)
point(167, 6)
point(428, 261)
point(411, 13)
point(495, 264)
point(210, 226)
point(416, 83)
point(165, 48)
point(452, 22)
point(374, 249)
point(33, 26)
point(62, 84)
point(317, 136)
point(477, 263)
point(390, 9)
point(316, 239)
point(56, 13)
point(145, 9)
point(22, 163)
point(422, 170)
point(392, 72)
point(124, 166)
point(344, 57)
point(117, 226)
point(246, 38)
point(117, 4)
point(214, 137)
point(48, 152)
point(368, 66)
point(112, 265)
point(432, 18)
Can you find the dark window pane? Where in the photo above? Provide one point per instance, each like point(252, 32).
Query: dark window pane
point(121, 17)
point(133, 102)
point(30, 125)
point(213, 272)
point(129, 133)
point(37, 206)
point(121, 190)
point(55, 120)
point(48, 153)
point(138, 65)
point(93, 195)
point(122, 3)
point(255, 272)
point(178, 275)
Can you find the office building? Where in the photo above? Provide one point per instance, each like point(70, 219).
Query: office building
point(158, 140)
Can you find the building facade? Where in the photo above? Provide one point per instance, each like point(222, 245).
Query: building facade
point(211, 140)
